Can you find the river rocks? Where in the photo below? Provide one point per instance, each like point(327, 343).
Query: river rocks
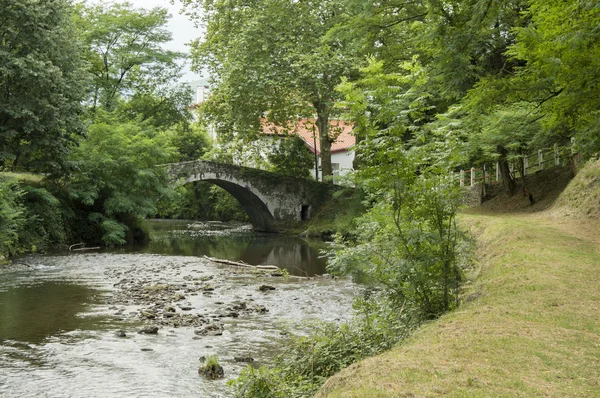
point(156, 288)
point(211, 329)
point(148, 314)
point(261, 309)
point(266, 288)
point(169, 308)
point(120, 333)
point(243, 359)
point(178, 297)
point(149, 330)
point(212, 371)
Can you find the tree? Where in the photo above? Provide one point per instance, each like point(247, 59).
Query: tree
point(42, 82)
point(462, 48)
point(272, 58)
point(290, 156)
point(124, 50)
point(114, 182)
point(561, 76)
point(162, 107)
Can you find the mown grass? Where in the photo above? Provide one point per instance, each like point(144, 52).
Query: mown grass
point(529, 324)
point(582, 196)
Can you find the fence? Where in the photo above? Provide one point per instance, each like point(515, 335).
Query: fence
point(544, 158)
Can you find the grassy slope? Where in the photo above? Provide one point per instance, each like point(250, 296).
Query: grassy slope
point(530, 324)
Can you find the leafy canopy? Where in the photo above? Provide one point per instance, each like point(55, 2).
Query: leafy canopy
point(42, 83)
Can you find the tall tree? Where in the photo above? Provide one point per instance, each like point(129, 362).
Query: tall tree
point(42, 82)
point(561, 76)
point(273, 58)
point(125, 52)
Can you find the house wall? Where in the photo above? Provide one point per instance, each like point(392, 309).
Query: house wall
point(344, 161)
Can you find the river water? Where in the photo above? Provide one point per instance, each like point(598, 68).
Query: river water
point(70, 322)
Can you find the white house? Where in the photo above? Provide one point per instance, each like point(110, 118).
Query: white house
point(342, 152)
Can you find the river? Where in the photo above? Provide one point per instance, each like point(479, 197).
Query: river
point(70, 322)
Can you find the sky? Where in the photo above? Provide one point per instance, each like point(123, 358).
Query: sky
point(182, 28)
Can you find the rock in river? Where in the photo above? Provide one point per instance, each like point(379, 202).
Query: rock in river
point(149, 330)
point(265, 288)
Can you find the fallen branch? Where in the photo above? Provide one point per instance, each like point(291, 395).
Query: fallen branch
point(77, 247)
point(243, 264)
point(86, 248)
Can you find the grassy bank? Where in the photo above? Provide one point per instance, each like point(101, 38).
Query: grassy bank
point(528, 325)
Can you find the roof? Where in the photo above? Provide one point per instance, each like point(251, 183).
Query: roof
point(307, 130)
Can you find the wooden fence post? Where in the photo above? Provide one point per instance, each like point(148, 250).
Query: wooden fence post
point(556, 158)
point(462, 178)
point(525, 164)
point(497, 171)
point(472, 176)
point(540, 159)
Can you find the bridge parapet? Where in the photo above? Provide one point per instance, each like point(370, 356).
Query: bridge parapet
point(272, 201)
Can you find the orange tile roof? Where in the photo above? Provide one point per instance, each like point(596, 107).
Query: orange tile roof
point(306, 129)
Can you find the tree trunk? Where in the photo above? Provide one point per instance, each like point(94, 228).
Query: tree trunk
point(16, 161)
point(325, 141)
point(509, 183)
point(358, 138)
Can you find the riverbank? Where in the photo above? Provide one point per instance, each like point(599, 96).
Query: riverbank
point(528, 325)
point(71, 323)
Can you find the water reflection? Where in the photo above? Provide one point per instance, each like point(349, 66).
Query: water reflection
point(33, 313)
point(236, 242)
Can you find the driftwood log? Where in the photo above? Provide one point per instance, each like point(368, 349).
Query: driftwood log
point(243, 264)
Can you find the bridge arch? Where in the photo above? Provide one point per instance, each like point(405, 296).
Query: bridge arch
point(258, 212)
point(272, 202)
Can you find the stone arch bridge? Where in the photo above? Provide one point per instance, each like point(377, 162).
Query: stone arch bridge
point(272, 201)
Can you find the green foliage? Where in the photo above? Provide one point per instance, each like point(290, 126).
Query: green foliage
point(562, 72)
point(191, 143)
point(290, 156)
point(42, 82)
point(114, 181)
point(338, 215)
point(12, 217)
point(162, 107)
point(262, 382)
point(272, 58)
point(124, 51)
point(45, 224)
point(309, 360)
point(201, 201)
point(407, 242)
point(31, 218)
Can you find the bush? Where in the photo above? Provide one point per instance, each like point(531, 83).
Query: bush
point(12, 218)
point(309, 360)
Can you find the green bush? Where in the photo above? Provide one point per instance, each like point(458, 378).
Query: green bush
point(309, 360)
point(12, 217)
point(114, 181)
